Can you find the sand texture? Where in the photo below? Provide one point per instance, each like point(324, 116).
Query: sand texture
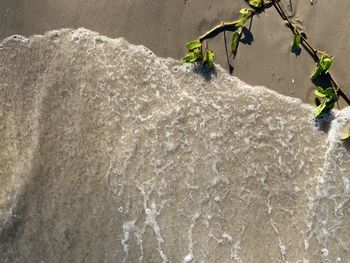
point(164, 27)
point(112, 154)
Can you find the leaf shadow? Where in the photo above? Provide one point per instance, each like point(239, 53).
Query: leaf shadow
point(297, 52)
point(230, 66)
point(324, 81)
point(248, 37)
point(246, 40)
point(323, 123)
point(204, 71)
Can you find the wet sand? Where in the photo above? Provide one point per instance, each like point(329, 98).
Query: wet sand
point(164, 27)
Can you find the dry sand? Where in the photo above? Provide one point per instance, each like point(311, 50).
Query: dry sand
point(164, 27)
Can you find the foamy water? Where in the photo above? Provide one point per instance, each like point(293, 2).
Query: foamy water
point(112, 154)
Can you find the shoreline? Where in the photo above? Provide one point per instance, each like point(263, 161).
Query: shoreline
point(264, 60)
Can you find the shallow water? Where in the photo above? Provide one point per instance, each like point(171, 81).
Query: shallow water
point(112, 154)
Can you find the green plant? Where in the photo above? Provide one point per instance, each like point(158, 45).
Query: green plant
point(195, 54)
point(236, 36)
point(256, 3)
point(323, 65)
point(345, 136)
point(245, 14)
point(296, 42)
point(329, 98)
point(325, 98)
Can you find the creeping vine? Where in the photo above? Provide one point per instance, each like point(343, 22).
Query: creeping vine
point(325, 97)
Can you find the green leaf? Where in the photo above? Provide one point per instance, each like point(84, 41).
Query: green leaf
point(236, 36)
point(256, 3)
point(320, 93)
point(323, 66)
point(345, 136)
point(296, 42)
point(326, 106)
point(193, 56)
point(193, 45)
point(331, 94)
point(245, 13)
point(209, 58)
point(328, 93)
point(320, 110)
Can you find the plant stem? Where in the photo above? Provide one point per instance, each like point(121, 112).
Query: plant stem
point(231, 26)
point(294, 29)
point(313, 50)
point(224, 26)
point(217, 30)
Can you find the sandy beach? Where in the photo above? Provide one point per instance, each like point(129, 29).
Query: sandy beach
point(110, 153)
point(165, 26)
